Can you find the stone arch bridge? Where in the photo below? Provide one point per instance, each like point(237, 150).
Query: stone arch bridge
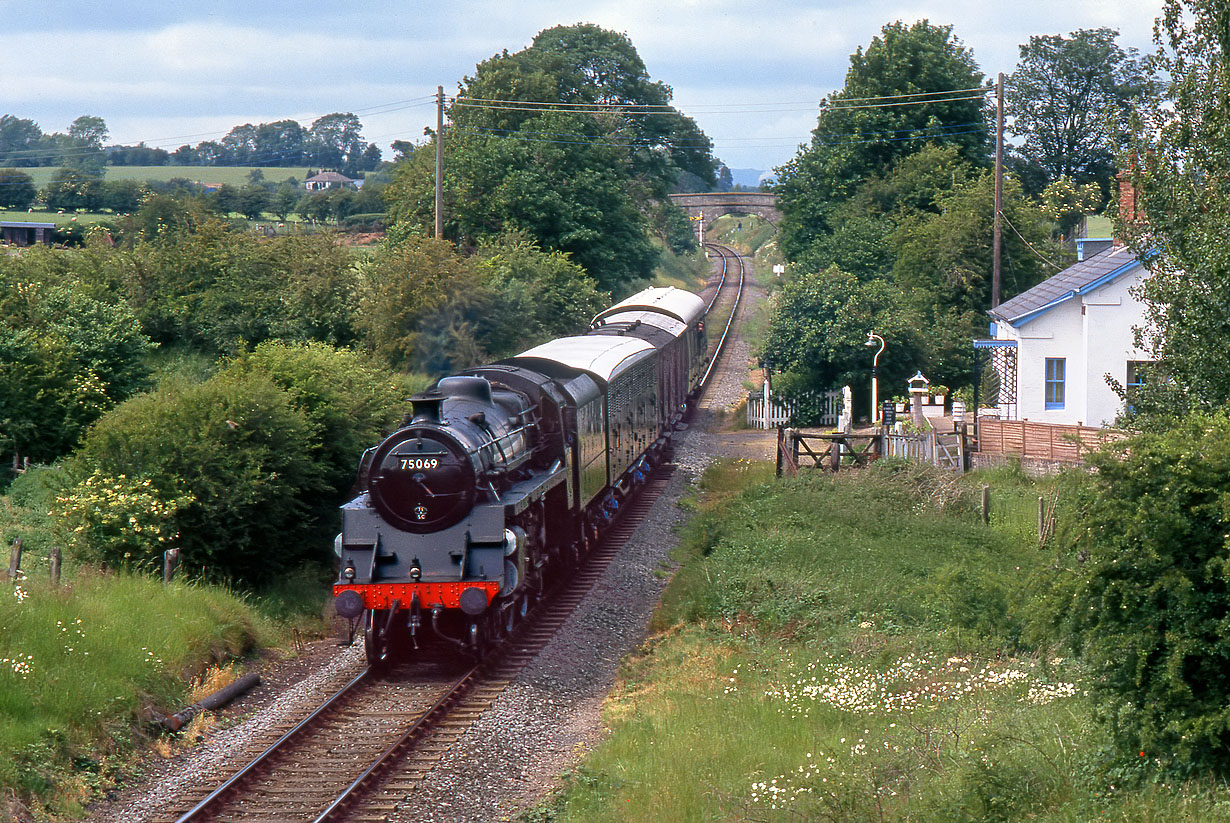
point(710, 206)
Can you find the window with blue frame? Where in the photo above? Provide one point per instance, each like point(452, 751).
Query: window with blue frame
point(1136, 370)
point(1056, 367)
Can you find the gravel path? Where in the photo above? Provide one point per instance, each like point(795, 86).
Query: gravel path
point(548, 718)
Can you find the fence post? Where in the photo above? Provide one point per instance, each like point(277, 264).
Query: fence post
point(781, 444)
point(794, 446)
point(53, 564)
point(170, 562)
point(962, 449)
point(1041, 519)
point(986, 504)
point(15, 560)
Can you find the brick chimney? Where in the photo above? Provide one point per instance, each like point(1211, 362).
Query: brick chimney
point(1128, 211)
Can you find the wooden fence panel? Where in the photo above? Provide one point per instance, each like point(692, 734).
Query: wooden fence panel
point(1042, 441)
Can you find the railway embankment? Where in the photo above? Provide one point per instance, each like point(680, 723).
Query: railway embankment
point(861, 647)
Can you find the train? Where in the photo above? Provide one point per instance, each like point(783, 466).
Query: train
point(505, 474)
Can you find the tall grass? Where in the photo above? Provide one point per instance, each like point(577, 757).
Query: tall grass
point(860, 648)
point(85, 666)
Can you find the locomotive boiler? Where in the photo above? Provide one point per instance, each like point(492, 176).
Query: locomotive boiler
point(506, 473)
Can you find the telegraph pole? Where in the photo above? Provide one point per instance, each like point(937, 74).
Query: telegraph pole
point(999, 189)
point(440, 161)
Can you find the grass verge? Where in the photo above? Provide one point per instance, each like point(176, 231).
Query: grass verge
point(860, 648)
point(85, 668)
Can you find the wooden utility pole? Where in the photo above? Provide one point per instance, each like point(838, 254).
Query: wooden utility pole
point(440, 161)
point(999, 191)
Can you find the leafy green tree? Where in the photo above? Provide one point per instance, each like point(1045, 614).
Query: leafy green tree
point(570, 196)
point(281, 143)
point(121, 196)
point(335, 140)
point(315, 206)
point(1176, 220)
point(586, 65)
point(83, 146)
point(240, 145)
point(17, 189)
point(20, 140)
point(541, 295)
point(579, 177)
point(948, 255)
point(284, 200)
point(253, 200)
point(819, 328)
point(859, 239)
point(405, 289)
point(73, 190)
point(224, 199)
point(68, 357)
point(864, 128)
point(1150, 609)
point(1066, 96)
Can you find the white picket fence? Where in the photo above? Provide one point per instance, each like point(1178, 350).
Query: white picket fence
point(781, 412)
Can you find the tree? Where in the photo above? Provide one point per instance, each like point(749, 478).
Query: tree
point(121, 196)
point(253, 200)
point(239, 450)
point(281, 143)
point(83, 148)
point(863, 128)
point(73, 190)
point(17, 189)
point(1175, 218)
point(819, 327)
point(19, 141)
point(570, 196)
point(335, 140)
point(405, 285)
point(284, 200)
point(542, 295)
point(584, 65)
point(1150, 610)
point(240, 145)
point(1066, 96)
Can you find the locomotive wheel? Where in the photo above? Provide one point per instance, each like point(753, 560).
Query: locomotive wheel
point(376, 640)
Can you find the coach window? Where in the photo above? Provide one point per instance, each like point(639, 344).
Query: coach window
point(1055, 370)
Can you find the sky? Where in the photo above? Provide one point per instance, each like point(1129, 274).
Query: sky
point(751, 72)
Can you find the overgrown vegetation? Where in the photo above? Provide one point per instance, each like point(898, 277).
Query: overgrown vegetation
point(862, 647)
point(84, 667)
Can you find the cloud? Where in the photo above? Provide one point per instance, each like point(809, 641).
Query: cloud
point(156, 70)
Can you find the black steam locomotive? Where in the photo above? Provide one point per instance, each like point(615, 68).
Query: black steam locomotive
point(508, 471)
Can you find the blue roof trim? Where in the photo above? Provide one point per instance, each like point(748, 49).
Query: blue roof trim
point(1017, 322)
point(995, 344)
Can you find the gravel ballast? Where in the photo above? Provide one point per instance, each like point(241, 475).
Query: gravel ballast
point(547, 719)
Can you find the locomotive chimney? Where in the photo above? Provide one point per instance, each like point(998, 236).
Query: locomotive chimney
point(426, 406)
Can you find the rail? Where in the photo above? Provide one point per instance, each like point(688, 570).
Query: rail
point(717, 353)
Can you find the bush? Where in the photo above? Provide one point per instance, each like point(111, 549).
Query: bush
point(231, 463)
point(349, 403)
point(1150, 615)
point(365, 222)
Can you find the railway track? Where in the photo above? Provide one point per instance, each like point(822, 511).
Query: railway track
point(361, 754)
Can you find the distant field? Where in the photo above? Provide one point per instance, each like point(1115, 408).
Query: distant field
point(37, 216)
point(234, 175)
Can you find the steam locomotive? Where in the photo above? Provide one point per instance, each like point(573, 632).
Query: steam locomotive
point(508, 472)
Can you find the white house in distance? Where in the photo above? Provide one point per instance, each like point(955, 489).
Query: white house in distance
point(329, 180)
point(1054, 345)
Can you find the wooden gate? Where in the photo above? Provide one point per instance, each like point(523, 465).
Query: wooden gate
point(945, 450)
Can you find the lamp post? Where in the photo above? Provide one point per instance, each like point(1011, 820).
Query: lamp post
point(875, 362)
